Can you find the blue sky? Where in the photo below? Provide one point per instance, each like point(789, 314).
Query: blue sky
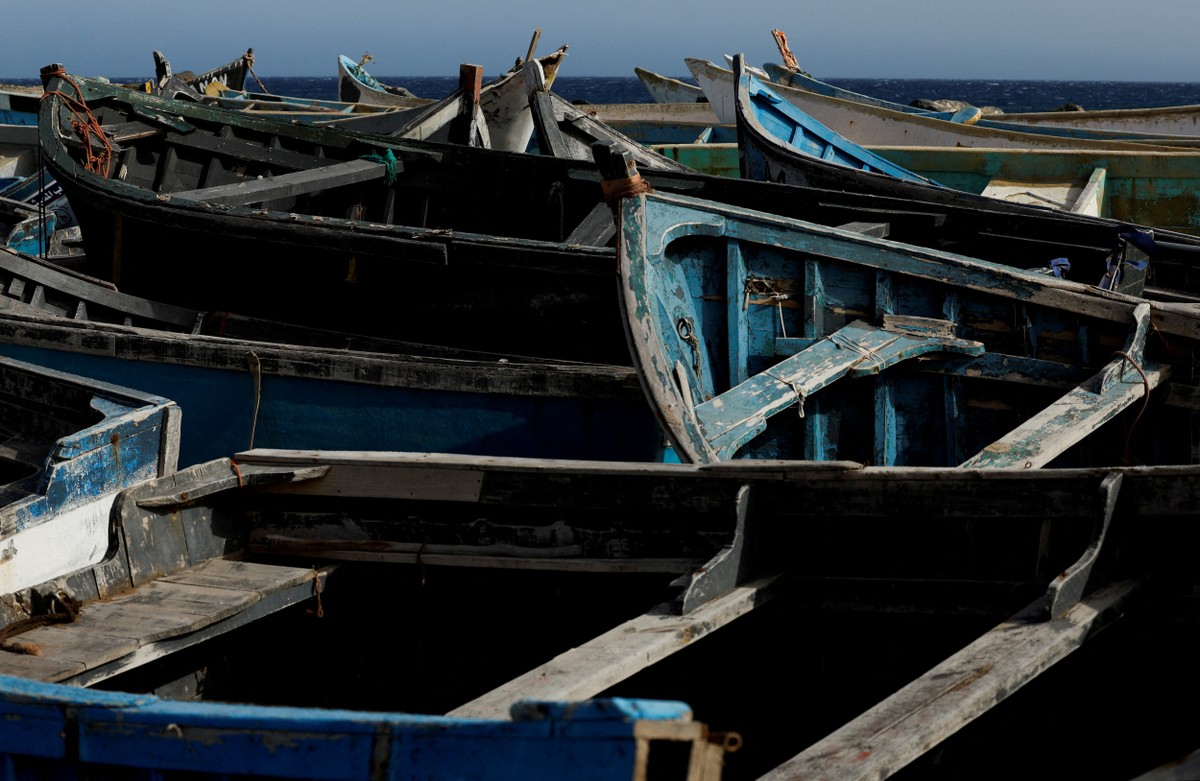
point(992, 39)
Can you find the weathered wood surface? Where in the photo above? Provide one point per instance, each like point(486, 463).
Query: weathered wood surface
point(925, 712)
point(621, 652)
point(71, 733)
point(172, 607)
point(745, 318)
point(288, 185)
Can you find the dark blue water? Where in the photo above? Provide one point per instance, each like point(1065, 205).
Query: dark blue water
point(1010, 96)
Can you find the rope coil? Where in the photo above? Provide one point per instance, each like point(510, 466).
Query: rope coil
point(85, 125)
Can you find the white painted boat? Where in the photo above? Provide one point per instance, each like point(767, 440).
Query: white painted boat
point(873, 126)
point(665, 89)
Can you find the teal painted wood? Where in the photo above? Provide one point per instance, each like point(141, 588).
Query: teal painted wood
point(683, 289)
point(73, 733)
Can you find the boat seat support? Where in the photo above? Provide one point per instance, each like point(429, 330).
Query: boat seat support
point(1067, 589)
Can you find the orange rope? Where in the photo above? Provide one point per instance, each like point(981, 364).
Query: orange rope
point(616, 189)
point(86, 126)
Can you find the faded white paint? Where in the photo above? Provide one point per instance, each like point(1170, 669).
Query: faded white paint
point(71, 541)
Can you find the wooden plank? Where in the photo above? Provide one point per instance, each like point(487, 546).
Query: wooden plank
point(596, 229)
point(39, 668)
point(214, 592)
point(736, 416)
point(1081, 411)
point(1090, 200)
point(489, 557)
point(250, 151)
point(63, 654)
point(933, 707)
point(241, 575)
point(269, 604)
point(288, 185)
point(605, 661)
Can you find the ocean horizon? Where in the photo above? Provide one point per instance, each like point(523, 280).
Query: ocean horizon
point(1009, 95)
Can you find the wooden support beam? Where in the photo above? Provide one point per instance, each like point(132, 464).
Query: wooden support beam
point(1083, 410)
point(289, 185)
point(950, 696)
point(738, 415)
point(619, 653)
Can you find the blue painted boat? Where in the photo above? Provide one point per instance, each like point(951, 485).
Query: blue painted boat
point(69, 445)
point(243, 380)
point(18, 133)
point(1150, 189)
point(780, 119)
point(176, 604)
point(356, 85)
point(72, 733)
point(886, 353)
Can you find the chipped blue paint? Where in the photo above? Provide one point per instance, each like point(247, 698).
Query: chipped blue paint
point(74, 733)
point(799, 284)
point(805, 135)
point(122, 448)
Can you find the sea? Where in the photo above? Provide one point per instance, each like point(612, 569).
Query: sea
point(1008, 95)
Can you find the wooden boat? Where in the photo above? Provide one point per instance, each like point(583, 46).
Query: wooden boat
point(134, 734)
point(796, 132)
point(570, 132)
point(1164, 120)
point(243, 380)
point(70, 444)
point(1079, 124)
point(871, 126)
point(18, 133)
point(736, 316)
point(494, 116)
point(803, 542)
point(665, 89)
point(36, 218)
point(779, 142)
point(230, 76)
point(179, 601)
point(291, 107)
point(474, 224)
point(356, 85)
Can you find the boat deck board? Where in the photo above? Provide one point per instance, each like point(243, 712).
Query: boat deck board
point(212, 593)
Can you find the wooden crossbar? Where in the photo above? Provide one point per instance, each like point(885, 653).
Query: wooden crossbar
point(288, 185)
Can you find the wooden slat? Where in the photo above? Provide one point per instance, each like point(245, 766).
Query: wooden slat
point(935, 706)
point(733, 418)
point(1083, 410)
point(177, 606)
point(289, 185)
point(605, 661)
